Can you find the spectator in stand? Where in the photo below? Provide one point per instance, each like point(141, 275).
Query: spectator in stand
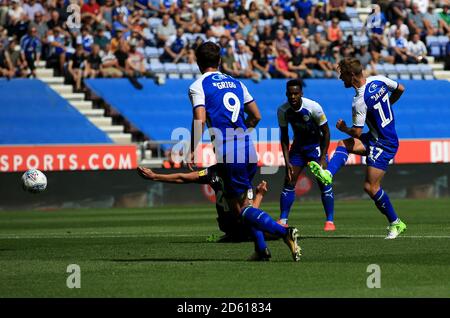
point(229, 64)
point(204, 15)
point(61, 8)
point(316, 42)
point(243, 57)
point(260, 62)
point(31, 49)
point(266, 35)
point(168, 7)
point(75, 67)
point(366, 60)
point(55, 20)
point(122, 55)
point(100, 38)
point(110, 66)
point(217, 10)
point(165, 30)
point(416, 20)
point(334, 33)
point(6, 67)
point(18, 20)
point(399, 49)
point(396, 9)
point(253, 11)
point(376, 21)
point(19, 64)
point(399, 25)
point(176, 47)
point(186, 18)
point(281, 64)
point(284, 7)
point(120, 12)
point(378, 45)
point(280, 41)
point(33, 7)
point(266, 10)
point(90, 13)
point(417, 49)
point(326, 63)
point(444, 20)
point(3, 13)
point(85, 39)
point(336, 9)
point(304, 9)
point(298, 63)
point(135, 63)
point(40, 25)
point(106, 12)
point(280, 24)
point(93, 63)
point(431, 21)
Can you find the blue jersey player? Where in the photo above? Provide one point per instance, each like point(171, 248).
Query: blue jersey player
point(311, 141)
point(372, 105)
point(221, 102)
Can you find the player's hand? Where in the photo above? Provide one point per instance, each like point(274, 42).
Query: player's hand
point(262, 188)
point(191, 164)
point(290, 172)
point(146, 173)
point(341, 125)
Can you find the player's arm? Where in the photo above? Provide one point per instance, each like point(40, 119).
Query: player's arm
point(253, 114)
point(354, 131)
point(395, 96)
point(261, 190)
point(190, 177)
point(198, 125)
point(324, 144)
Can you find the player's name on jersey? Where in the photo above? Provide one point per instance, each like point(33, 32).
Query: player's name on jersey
point(222, 85)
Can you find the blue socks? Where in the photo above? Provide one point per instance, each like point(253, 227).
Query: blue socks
point(287, 198)
point(260, 243)
point(262, 221)
point(338, 161)
point(383, 204)
point(327, 200)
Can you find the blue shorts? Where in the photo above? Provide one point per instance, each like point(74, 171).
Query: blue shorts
point(300, 158)
point(237, 177)
point(378, 155)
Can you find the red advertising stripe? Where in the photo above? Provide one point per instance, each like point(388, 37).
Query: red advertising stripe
point(410, 151)
point(67, 157)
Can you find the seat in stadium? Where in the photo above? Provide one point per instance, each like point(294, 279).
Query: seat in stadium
point(185, 70)
point(427, 71)
point(171, 70)
point(433, 45)
point(151, 52)
point(156, 66)
point(390, 71)
point(403, 71)
point(352, 13)
point(154, 23)
point(357, 27)
point(380, 68)
point(415, 72)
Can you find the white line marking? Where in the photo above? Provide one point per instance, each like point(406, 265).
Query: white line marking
point(125, 235)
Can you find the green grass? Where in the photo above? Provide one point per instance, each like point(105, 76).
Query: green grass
point(162, 252)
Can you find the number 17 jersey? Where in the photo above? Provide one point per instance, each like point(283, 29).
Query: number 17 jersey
point(371, 105)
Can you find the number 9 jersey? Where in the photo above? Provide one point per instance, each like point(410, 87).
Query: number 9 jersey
point(371, 105)
point(224, 98)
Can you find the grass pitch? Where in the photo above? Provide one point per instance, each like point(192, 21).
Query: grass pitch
point(162, 252)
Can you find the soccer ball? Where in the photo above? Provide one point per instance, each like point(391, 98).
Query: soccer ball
point(34, 181)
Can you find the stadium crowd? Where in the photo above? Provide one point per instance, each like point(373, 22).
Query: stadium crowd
point(259, 38)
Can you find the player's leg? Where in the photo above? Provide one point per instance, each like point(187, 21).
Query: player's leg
point(237, 180)
point(376, 169)
point(344, 147)
point(287, 196)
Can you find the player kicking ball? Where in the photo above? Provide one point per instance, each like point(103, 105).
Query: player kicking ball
point(311, 142)
point(371, 105)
